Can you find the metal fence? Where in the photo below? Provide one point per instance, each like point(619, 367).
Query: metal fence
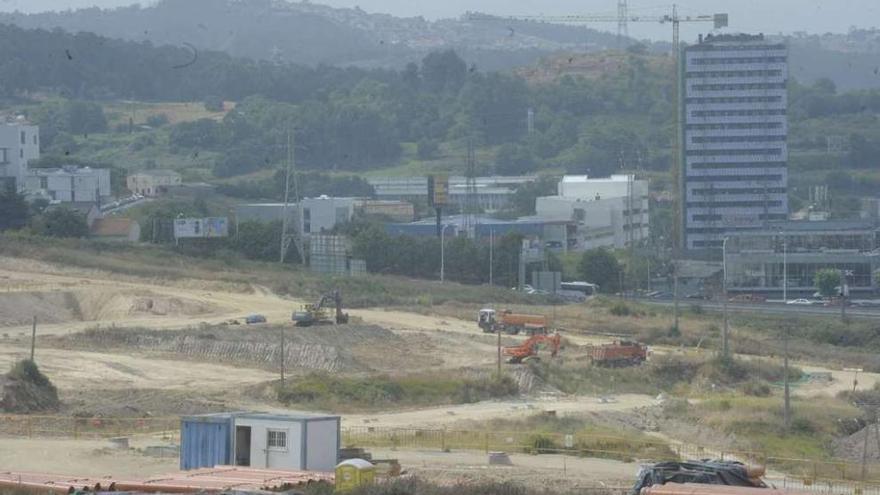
point(816, 476)
point(75, 427)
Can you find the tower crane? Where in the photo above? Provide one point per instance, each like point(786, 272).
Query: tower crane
point(622, 18)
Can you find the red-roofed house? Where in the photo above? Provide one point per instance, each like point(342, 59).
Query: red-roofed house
point(116, 229)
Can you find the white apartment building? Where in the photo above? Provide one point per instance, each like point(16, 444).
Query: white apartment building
point(609, 212)
point(70, 184)
point(735, 173)
point(19, 144)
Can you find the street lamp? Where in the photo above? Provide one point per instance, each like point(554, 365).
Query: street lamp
point(443, 253)
point(784, 268)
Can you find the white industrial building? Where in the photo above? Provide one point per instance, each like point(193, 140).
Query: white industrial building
point(152, 183)
point(19, 144)
point(70, 184)
point(491, 193)
point(735, 131)
point(322, 214)
point(609, 212)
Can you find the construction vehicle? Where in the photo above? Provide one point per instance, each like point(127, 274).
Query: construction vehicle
point(529, 349)
point(511, 323)
point(619, 354)
point(317, 313)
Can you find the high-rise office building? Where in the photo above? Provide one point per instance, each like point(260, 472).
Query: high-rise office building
point(735, 155)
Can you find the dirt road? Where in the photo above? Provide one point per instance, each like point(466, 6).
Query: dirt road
point(438, 417)
point(82, 457)
point(77, 370)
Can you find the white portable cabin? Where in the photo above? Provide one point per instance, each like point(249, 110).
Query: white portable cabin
point(297, 442)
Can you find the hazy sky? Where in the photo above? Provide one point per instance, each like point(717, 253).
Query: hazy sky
point(767, 16)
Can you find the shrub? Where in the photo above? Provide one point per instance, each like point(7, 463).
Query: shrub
point(27, 370)
point(620, 309)
point(755, 388)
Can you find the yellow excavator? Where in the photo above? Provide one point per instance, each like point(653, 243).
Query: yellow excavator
point(317, 313)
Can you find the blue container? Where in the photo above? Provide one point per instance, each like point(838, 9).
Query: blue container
point(205, 441)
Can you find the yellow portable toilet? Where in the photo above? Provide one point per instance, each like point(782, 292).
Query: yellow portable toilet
point(353, 473)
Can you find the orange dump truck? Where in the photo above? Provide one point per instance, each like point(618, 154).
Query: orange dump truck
point(511, 323)
point(618, 354)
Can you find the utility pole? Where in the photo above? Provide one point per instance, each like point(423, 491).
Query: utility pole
point(622, 29)
point(491, 256)
point(725, 331)
point(285, 242)
point(786, 405)
point(282, 354)
point(33, 338)
point(675, 294)
point(867, 431)
point(844, 292)
point(530, 121)
point(499, 352)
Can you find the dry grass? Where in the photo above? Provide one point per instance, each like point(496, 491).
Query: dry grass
point(176, 112)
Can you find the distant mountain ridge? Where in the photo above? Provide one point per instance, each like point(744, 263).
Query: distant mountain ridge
point(313, 34)
point(308, 33)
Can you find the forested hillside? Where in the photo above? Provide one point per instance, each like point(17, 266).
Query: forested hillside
point(421, 118)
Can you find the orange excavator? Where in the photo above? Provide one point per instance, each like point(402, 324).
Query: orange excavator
point(529, 348)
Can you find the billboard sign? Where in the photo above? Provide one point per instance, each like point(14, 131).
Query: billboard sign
point(438, 190)
point(194, 228)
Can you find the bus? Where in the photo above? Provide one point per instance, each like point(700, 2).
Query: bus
point(585, 288)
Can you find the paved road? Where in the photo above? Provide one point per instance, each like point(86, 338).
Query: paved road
point(770, 309)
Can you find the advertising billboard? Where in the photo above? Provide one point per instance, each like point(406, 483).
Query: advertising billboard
point(438, 190)
point(192, 228)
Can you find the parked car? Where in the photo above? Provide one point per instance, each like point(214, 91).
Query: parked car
point(698, 295)
point(254, 319)
point(800, 302)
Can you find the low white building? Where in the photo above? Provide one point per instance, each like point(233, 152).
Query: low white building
point(321, 214)
point(152, 183)
point(19, 144)
point(610, 212)
point(295, 442)
point(70, 184)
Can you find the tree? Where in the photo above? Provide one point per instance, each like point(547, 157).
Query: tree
point(599, 266)
point(827, 282)
point(14, 210)
point(213, 103)
point(262, 241)
point(427, 149)
point(443, 71)
point(522, 201)
point(514, 159)
point(62, 222)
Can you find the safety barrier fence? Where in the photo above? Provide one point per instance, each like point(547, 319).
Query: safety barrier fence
point(817, 476)
point(77, 427)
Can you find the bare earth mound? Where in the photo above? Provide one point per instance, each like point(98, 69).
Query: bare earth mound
point(327, 348)
point(19, 308)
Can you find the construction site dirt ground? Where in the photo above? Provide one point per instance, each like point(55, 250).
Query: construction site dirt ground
point(105, 379)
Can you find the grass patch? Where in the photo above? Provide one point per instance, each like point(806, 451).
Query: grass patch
point(159, 263)
point(757, 423)
point(663, 373)
point(546, 434)
point(333, 392)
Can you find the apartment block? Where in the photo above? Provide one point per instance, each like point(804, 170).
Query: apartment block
point(735, 174)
